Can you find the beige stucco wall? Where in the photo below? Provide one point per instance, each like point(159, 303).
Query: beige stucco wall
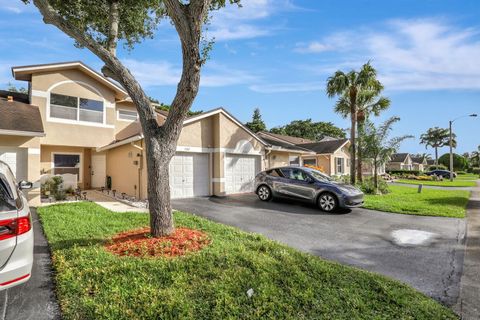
point(46, 154)
point(32, 144)
point(79, 135)
point(342, 153)
point(280, 158)
point(231, 134)
point(197, 134)
point(122, 124)
point(123, 166)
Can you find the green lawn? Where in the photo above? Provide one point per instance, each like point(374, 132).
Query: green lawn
point(445, 183)
point(468, 176)
point(211, 284)
point(431, 202)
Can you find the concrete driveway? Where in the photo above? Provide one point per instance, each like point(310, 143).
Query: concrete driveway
point(425, 252)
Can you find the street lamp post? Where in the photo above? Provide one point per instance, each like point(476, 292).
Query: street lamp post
point(451, 141)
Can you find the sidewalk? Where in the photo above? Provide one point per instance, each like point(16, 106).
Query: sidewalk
point(111, 203)
point(468, 306)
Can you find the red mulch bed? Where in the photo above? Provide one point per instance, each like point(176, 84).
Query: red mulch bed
point(139, 243)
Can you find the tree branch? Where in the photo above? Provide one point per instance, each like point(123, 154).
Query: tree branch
point(114, 19)
point(117, 70)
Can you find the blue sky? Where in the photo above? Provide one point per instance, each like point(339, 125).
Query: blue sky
point(277, 55)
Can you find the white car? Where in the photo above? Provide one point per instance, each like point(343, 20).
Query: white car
point(16, 233)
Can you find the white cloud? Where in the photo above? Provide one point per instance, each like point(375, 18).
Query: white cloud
point(421, 54)
point(14, 6)
point(234, 22)
point(162, 73)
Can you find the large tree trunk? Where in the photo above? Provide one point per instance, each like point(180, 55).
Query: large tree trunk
point(158, 188)
point(375, 175)
point(436, 156)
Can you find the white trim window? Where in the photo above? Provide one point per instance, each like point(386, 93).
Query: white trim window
point(127, 115)
point(76, 109)
point(340, 165)
point(67, 163)
point(294, 161)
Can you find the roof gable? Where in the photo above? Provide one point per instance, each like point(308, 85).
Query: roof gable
point(25, 73)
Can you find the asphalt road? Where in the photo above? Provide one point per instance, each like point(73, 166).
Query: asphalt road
point(375, 241)
point(35, 299)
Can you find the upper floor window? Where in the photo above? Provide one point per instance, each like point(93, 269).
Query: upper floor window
point(128, 115)
point(74, 108)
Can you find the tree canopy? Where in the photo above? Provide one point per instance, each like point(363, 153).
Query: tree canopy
point(459, 162)
point(308, 129)
point(257, 124)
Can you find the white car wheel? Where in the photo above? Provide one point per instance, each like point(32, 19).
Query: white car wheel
point(264, 193)
point(327, 202)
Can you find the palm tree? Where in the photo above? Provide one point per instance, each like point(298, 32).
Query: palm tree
point(436, 138)
point(378, 147)
point(356, 90)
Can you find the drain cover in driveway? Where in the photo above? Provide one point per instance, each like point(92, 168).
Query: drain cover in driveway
point(411, 237)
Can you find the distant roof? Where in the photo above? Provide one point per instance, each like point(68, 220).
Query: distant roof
point(418, 159)
point(289, 139)
point(18, 118)
point(17, 96)
point(285, 145)
point(325, 146)
point(398, 157)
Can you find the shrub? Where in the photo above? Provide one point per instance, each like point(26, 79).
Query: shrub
point(461, 172)
point(424, 178)
point(368, 186)
point(55, 186)
point(403, 172)
point(476, 170)
point(343, 179)
point(459, 162)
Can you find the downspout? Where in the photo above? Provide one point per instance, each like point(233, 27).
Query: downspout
point(267, 153)
point(140, 167)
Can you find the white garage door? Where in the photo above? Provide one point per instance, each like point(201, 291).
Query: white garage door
point(17, 159)
point(240, 171)
point(189, 175)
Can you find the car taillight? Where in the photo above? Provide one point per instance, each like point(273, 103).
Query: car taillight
point(13, 227)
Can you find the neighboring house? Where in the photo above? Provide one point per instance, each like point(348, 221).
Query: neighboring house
point(368, 169)
point(284, 152)
point(419, 163)
point(430, 162)
point(400, 161)
point(330, 154)
point(76, 121)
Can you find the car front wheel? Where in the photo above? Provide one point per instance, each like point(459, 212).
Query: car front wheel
point(264, 193)
point(327, 202)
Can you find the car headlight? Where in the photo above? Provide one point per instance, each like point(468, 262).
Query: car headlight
point(348, 190)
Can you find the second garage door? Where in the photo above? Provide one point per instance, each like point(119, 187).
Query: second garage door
point(240, 171)
point(17, 159)
point(189, 175)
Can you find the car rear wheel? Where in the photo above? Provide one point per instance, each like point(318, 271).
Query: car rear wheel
point(264, 193)
point(327, 202)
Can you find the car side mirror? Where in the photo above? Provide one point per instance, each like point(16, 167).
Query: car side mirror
point(23, 185)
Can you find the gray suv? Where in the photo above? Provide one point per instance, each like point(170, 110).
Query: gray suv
point(306, 184)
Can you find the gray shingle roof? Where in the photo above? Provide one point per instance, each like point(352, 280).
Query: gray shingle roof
point(326, 146)
point(18, 116)
point(398, 157)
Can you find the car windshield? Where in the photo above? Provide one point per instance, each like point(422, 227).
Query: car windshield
point(319, 175)
point(7, 203)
